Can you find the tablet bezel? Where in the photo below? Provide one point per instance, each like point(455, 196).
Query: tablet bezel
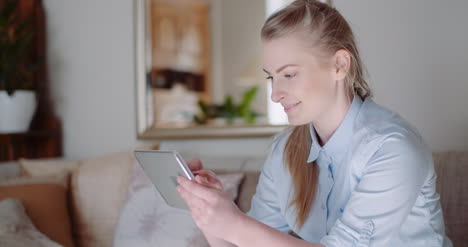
point(163, 176)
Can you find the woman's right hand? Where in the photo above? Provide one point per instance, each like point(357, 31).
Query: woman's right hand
point(209, 205)
point(203, 176)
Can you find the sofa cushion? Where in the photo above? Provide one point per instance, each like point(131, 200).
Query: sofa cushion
point(8, 170)
point(231, 181)
point(16, 229)
point(452, 185)
point(247, 189)
point(146, 220)
point(47, 167)
point(98, 190)
point(45, 200)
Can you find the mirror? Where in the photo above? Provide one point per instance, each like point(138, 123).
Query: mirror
point(198, 70)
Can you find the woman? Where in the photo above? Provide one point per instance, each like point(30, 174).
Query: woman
point(349, 173)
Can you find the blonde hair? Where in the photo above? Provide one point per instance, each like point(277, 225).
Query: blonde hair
point(325, 29)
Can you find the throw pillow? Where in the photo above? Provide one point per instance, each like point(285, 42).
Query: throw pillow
point(17, 230)
point(61, 180)
point(9, 170)
point(247, 190)
point(146, 220)
point(45, 200)
point(99, 189)
point(47, 167)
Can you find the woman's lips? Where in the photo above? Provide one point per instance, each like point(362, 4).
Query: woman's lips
point(288, 108)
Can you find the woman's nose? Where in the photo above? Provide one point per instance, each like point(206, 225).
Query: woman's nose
point(277, 94)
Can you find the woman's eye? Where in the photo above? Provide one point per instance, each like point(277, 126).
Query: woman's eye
point(289, 76)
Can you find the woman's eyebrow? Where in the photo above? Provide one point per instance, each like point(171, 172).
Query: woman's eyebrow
point(281, 68)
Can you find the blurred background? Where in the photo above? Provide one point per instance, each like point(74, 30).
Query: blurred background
point(415, 53)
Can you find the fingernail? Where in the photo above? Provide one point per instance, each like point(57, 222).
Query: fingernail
point(202, 179)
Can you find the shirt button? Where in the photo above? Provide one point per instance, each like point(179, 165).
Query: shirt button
point(323, 206)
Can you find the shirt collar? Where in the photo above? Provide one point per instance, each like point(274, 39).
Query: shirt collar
point(338, 143)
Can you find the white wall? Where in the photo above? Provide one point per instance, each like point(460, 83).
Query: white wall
point(417, 57)
point(415, 69)
point(91, 69)
point(91, 51)
point(236, 44)
point(241, 44)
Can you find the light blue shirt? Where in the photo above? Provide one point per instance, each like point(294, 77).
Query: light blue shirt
point(376, 185)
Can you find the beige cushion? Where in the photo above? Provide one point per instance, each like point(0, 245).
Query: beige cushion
point(45, 200)
point(452, 185)
point(60, 179)
point(17, 230)
point(9, 169)
point(98, 191)
point(247, 190)
point(47, 167)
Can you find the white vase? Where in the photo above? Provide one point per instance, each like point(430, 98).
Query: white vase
point(16, 111)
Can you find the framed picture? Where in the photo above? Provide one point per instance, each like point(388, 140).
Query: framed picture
point(175, 52)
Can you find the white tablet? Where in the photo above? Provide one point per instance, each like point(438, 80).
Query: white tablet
point(162, 168)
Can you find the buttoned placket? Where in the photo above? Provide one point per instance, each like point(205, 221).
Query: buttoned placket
point(330, 182)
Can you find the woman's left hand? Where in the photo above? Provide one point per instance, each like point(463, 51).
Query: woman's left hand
point(212, 209)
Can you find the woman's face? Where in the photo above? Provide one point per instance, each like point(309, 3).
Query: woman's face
point(304, 85)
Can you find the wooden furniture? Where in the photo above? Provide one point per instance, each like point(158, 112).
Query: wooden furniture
point(44, 138)
point(33, 144)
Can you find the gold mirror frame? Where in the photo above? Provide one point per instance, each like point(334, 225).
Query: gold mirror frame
point(145, 129)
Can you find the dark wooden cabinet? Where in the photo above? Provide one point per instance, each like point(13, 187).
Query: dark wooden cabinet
point(31, 145)
point(44, 137)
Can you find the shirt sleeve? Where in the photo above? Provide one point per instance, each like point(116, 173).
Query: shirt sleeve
point(264, 206)
point(382, 200)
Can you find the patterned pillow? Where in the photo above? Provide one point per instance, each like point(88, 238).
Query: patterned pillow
point(17, 230)
point(45, 200)
point(146, 220)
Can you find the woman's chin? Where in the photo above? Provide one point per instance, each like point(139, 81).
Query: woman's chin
point(297, 121)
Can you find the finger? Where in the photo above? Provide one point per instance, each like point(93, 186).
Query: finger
point(209, 181)
point(195, 164)
point(192, 200)
point(186, 184)
point(202, 180)
point(211, 176)
point(206, 173)
point(197, 189)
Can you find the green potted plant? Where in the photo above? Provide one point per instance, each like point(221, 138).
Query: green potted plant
point(229, 111)
point(17, 95)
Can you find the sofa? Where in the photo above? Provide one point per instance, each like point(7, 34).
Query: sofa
point(95, 190)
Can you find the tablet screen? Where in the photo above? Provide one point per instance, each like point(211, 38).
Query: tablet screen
point(162, 168)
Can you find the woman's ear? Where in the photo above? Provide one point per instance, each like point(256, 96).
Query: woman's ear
point(342, 61)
